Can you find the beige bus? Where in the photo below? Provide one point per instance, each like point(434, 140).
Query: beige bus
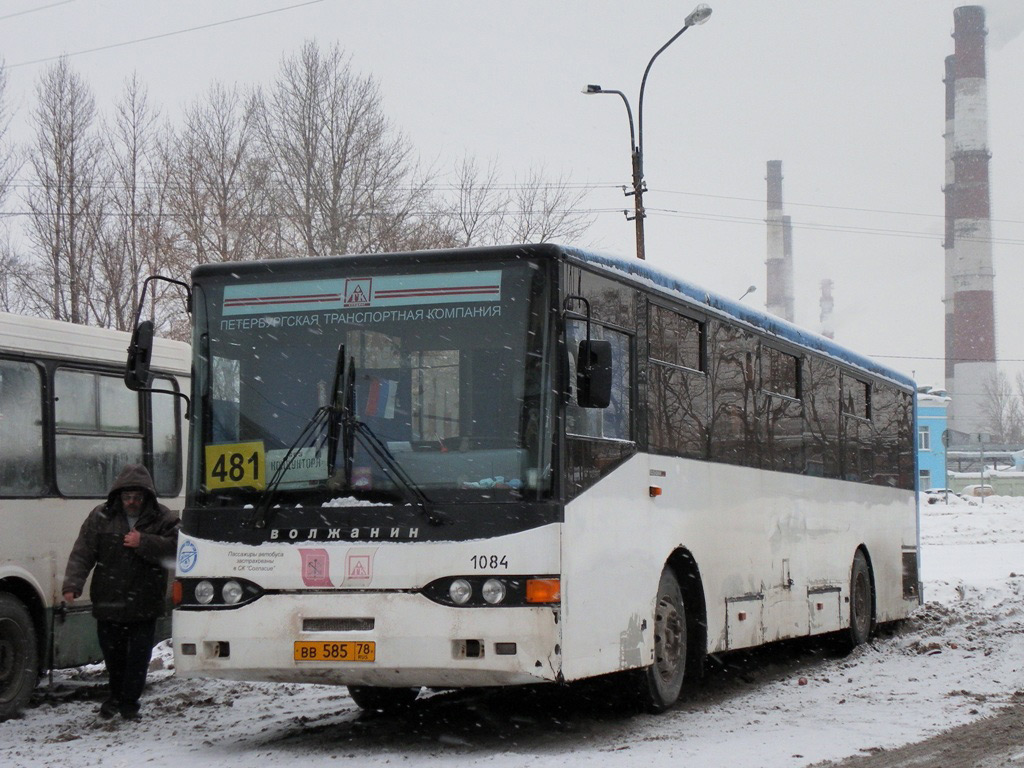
point(68, 424)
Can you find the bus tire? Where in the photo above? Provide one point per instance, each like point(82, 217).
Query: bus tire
point(662, 682)
point(19, 662)
point(861, 600)
point(372, 697)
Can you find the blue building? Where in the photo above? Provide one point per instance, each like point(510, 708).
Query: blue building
point(931, 426)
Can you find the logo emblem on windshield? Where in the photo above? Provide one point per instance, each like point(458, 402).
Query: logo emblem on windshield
point(358, 292)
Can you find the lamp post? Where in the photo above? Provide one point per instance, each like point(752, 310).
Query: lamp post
point(699, 15)
point(749, 290)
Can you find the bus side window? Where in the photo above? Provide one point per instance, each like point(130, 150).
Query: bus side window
point(166, 458)
point(21, 430)
point(98, 431)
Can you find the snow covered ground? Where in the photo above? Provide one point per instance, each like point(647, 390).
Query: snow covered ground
point(960, 657)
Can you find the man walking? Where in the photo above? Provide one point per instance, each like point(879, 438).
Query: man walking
point(130, 541)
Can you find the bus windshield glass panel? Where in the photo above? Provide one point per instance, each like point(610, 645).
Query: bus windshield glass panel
point(440, 390)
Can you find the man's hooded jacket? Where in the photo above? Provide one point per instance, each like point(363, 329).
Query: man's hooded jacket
point(129, 583)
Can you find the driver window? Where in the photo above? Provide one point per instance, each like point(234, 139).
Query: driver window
point(612, 422)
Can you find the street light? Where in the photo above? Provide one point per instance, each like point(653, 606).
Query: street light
point(699, 15)
point(749, 290)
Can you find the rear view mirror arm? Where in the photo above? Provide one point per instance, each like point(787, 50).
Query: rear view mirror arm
point(137, 375)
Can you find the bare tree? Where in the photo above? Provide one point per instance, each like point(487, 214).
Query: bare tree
point(1003, 409)
point(66, 200)
point(9, 161)
point(483, 212)
point(162, 244)
point(477, 212)
point(220, 192)
point(11, 268)
point(545, 210)
point(129, 253)
point(345, 179)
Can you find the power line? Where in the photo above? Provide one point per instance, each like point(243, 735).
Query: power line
point(606, 185)
point(812, 226)
point(34, 10)
point(10, 214)
point(761, 201)
point(163, 34)
point(669, 212)
point(603, 185)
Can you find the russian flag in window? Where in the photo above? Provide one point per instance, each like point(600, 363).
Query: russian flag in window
point(380, 400)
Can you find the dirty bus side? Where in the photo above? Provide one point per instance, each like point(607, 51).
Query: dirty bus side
point(515, 465)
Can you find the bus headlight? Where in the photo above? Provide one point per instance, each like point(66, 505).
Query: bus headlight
point(231, 592)
point(493, 591)
point(204, 592)
point(486, 591)
point(460, 591)
point(214, 593)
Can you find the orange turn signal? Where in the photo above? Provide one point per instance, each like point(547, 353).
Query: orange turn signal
point(655, 490)
point(543, 590)
point(176, 592)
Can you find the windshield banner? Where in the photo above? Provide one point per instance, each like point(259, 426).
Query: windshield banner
point(362, 292)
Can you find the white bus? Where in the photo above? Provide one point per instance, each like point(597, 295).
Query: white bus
point(525, 464)
point(68, 424)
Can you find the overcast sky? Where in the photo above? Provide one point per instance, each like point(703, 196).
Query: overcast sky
point(849, 96)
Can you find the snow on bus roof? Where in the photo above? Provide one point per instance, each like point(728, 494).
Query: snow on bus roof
point(664, 282)
point(70, 341)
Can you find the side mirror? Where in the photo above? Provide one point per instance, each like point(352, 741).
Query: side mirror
point(594, 374)
point(140, 353)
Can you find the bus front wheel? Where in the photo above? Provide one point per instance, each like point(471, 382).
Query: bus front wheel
point(662, 682)
point(384, 699)
point(19, 666)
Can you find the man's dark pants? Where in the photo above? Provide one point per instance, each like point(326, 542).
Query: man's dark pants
point(127, 649)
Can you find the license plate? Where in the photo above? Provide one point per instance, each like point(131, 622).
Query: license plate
point(328, 651)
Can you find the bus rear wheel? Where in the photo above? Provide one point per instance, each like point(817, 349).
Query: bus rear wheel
point(861, 600)
point(19, 664)
point(662, 682)
point(384, 699)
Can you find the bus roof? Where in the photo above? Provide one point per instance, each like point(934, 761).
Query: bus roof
point(630, 269)
point(716, 304)
point(41, 337)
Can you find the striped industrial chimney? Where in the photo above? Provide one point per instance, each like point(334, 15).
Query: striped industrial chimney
point(947, 242)
point(969, 238)
point(779, 298)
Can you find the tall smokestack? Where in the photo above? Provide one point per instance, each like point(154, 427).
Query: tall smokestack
point(779, 298)
point(974, 339)
point(947, 242)
point(826, 305)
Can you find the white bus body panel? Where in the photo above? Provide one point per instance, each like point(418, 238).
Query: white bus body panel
point(35, 553)
point(39, 532)
point(69, 341)
point(774, 551)
point(418, 641)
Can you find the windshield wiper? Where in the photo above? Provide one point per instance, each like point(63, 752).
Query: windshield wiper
point(315, 426)
point(374, 446)
point(323, 427)
point(322, 422)
point(344, 409)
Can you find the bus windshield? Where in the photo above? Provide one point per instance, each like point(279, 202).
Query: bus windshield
point(442, 368)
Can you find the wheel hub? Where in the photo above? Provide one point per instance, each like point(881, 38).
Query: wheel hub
point(668, 639)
